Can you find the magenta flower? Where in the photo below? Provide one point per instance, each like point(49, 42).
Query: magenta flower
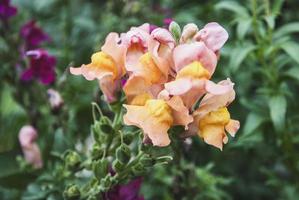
point(42, 67)
point(126, 192)
point(167, 22)
point(33, 35)
point(6, 10)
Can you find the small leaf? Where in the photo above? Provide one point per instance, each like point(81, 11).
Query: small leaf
point(243, 27)
point(277, 5)
point(270, 19)
point(253, 121)
point(238, 55)
point(293, 73)
point(232, 6)
point(292, 49)
point(278, 107)
point(286, 29)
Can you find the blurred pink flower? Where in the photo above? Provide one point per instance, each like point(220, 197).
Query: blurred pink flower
point(42, 67)
point(33, 35)
point(55, 99)
point(27, 138)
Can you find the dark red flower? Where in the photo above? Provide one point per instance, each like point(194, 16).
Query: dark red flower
point(33, 35)
point(6, 10)
point(126, 192)
point(42, 67)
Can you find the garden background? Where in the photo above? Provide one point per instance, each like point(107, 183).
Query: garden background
point(261, 57)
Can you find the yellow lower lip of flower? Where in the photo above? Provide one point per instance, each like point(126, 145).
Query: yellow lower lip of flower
point(160, 110)
point(194, 70)
point(140, 100)
point(218, 117)
point(151, 71)
point(105, 62)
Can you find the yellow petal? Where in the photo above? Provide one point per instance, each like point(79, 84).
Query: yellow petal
point(103, 61)
point(194, 70)
point(150, 70)
point(140, 99)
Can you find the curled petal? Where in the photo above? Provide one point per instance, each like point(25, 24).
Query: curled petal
point(161, 45)
point(185, 54)
point(180, 112)
point(232, 127)
point(116, 50)
point(188, 32)
point(109, 88)
point(213, 35)
point(214, 135)
point(90, 72)
point(212, 102)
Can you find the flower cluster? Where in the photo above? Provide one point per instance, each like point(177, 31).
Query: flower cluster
point(164, 74)
point(41, 64)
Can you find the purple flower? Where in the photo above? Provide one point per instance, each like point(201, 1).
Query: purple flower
point(167, 22)
point(126, 192)
point(42, 67)
point(152, 27)
point(6, 10)
point(33, 35)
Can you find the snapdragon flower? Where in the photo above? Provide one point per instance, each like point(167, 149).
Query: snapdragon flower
point(164, 75)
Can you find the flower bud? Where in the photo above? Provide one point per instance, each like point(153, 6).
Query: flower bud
point(72, 192)
point(96, 152)
point(123, 153)
point(72, 160)
point(175, 30)
point(128, 138)
point(106, 183)
point(55, 100)
point(188, 32)
point(100, 168)
point(117, 165)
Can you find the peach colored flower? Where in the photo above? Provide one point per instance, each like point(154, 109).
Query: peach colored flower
point(107, 66)
point(154, 118)
point(212, 118)
point(27, 138)
point(191, 83)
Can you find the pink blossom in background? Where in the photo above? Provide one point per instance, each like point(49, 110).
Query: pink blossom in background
point(31, 151)
point(41, 67)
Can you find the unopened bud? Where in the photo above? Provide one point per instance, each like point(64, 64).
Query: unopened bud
point(100, 168)
point(55, 100)
point(188, 33)
point(96, 152)
point(123, 153)
point(72, 192)
point(72, 160)
point(118, 166)
point(175, 30)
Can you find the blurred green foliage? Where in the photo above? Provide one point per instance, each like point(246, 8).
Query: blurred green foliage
point(261, 57)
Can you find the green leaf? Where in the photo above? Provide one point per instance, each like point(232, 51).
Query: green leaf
point(278, 108)
point(238, 55)
point(292, 49)
point(287, 29)
point(270, 19)
point(293, 73)
point(243, 27)
point(253, 121)
point(232, 6)
point(277, 5)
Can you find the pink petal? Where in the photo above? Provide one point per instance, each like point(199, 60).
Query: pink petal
point(232, 127)
point(185, 54)
point(27, 135)
point(213, 35)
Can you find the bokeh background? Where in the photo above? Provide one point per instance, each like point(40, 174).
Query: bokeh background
point(261, 57)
